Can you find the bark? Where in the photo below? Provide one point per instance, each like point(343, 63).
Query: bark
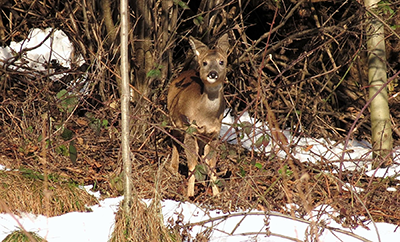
point(143, 47)
point(108, 21)
point(125, 106)
point(382, 142)
point(166, 34)
point(110, 40)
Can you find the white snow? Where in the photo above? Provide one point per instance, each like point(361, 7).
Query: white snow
point(75, 226)
point(56, 47)
point(239, 226)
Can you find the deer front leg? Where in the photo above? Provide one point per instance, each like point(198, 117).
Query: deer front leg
point(211, 159)
point(192, 151)
point(174, 166)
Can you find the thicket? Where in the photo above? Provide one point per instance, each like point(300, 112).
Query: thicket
point(296, 65)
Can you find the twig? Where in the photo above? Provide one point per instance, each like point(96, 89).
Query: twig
point(5, 207)
point(273, 214)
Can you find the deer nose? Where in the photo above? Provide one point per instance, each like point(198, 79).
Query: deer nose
point(213, 75)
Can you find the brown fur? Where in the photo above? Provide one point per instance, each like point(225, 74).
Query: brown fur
point(197, 99)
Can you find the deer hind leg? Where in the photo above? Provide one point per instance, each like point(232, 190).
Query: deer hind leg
point(174, 165)
point(192, 151)
point(211, 159)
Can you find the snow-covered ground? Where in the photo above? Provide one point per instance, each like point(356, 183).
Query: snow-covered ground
point(98, 225)
point(239, 226)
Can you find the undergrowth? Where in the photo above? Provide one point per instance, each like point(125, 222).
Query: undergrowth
point(298, 68)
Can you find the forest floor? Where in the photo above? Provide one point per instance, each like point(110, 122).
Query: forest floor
point(53, 132)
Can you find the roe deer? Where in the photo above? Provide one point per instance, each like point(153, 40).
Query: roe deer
point(196, 99)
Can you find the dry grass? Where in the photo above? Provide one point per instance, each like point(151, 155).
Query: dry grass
point(23, 236)
point(26, 191)
point(143, 223)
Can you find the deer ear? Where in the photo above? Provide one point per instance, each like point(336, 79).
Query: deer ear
point(197, 46)
point(223, 43)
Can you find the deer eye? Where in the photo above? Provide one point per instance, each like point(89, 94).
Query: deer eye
point(221, 63)
point(205, 63)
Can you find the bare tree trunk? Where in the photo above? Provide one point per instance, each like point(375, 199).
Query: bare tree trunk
point(382, 142)
point(105, 6)
point(166, 33)
point(108, 21)
point(125, 106)
point(144, 63)
point(143, 46)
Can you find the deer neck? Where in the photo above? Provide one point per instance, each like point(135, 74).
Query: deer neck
point(212, 98)
point(213, 92)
